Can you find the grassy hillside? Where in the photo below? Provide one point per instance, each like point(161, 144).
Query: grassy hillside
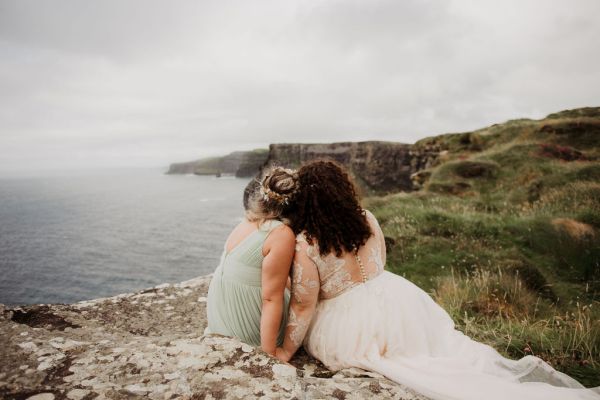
point(505, 234)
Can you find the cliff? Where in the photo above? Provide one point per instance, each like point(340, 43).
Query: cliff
point(238, 163)
point(377, 166)
point(149, 344)
point(387, 167)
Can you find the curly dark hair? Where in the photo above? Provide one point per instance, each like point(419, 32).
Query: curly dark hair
point(327, 208)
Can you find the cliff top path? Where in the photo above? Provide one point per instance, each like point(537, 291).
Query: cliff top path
point(149, 344)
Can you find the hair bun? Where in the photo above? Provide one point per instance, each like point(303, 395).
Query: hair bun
point(279, 185)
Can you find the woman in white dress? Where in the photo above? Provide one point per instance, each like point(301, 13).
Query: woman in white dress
point(349, 312)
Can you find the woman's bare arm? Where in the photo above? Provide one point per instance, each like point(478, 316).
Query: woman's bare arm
point(279, 251)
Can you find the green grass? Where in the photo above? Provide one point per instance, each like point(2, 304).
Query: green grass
point(506, 237)
point(497, 309)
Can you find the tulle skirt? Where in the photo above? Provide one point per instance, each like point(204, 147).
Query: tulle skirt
point(391, 326)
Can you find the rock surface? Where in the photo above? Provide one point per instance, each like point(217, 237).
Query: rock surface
point(150, 345)
point(378, 166)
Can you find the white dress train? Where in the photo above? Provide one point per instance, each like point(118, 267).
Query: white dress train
point(391, 326)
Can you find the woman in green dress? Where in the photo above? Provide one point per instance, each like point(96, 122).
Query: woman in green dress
point(247, 297)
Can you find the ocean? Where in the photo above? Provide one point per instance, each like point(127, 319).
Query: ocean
point(74, 237)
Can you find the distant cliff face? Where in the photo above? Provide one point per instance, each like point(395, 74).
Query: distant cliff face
point(181, 168)
point(377, 166)
point(384, 167)
point(238, 163)
point(251, 162)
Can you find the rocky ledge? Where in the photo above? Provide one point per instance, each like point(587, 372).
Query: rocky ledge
point(150, 344)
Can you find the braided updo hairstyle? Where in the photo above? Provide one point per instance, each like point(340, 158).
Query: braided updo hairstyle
point(327, 208)
point(272, 194)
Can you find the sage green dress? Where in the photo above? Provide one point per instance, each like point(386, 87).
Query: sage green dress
point(234, 300)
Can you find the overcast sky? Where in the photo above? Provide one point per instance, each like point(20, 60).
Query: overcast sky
point(145, 83)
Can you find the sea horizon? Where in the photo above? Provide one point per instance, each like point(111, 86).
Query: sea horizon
point(106, 231)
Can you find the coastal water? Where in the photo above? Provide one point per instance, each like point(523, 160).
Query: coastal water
point(69, 238)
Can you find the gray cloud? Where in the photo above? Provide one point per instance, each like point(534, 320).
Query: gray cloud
point(118, 83)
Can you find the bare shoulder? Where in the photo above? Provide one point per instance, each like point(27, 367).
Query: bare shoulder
point(282, 234)
point(284, 231)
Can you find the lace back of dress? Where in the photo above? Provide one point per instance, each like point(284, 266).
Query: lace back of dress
point(339, 274)
point(363, 274)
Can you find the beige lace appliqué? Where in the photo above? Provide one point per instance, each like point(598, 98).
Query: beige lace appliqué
point(335, 278)
point(376, 258)
point(299, 327)
point(300, 287)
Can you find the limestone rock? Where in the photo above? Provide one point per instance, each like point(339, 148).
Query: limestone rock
point(150, 344)
point(379, 167)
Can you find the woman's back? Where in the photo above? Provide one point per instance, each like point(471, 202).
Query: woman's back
point(235, 295)
point(390, 326)
point(339, 274)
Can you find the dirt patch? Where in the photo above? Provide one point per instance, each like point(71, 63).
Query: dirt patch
point(476, 169)
point(302, 358)
point(27, 393)
point(41, 317)
point(216, 392)
point(374, 387)
point(449, 188)
point(582, 132)
point(55, 374)
point(259, 371)
point(577, 230)
point(564, 153)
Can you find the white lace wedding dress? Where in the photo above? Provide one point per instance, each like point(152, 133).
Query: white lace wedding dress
point(352, 316)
